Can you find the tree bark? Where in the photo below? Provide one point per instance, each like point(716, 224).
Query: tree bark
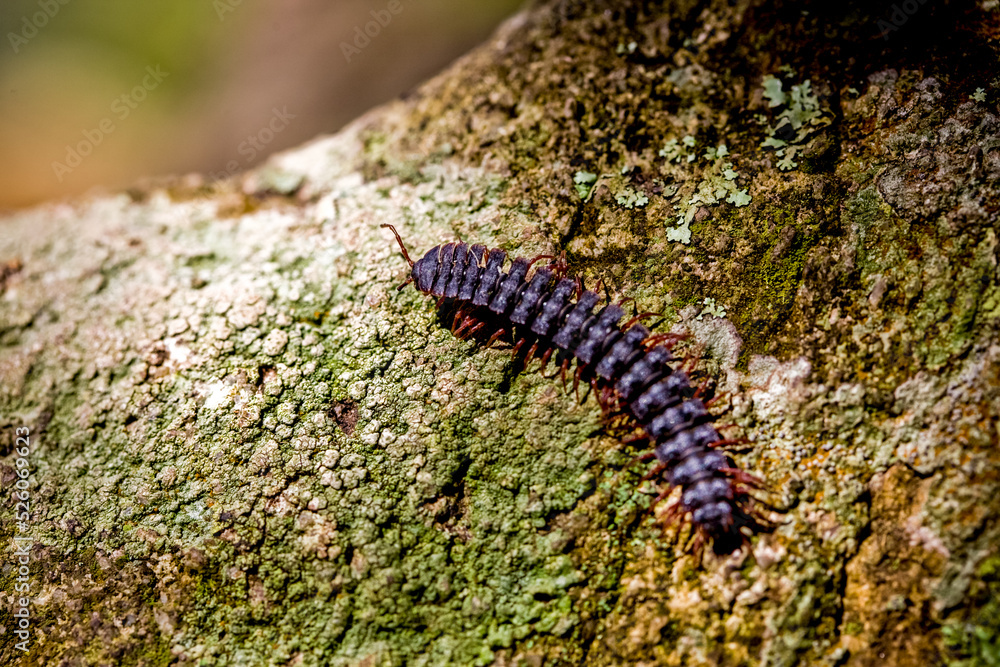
point(247, 448)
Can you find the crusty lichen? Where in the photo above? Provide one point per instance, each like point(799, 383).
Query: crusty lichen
point(250, 449)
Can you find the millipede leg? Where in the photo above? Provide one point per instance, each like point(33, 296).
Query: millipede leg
point(560, 267)
point(660, 498)
point(696, 545)
point(467, 321)
point(545, 359)
point(639, 318)
point(637, 438)
point(656, 471)
point(462, 320)
point(700, 391)
point(730, 441)
point(535, 259)
point(744, 477)
point(494, 337)
point(642, 458)
point(621, 304)
point(669, 339)
point(402, 247)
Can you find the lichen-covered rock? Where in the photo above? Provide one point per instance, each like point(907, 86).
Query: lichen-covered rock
point(247, 448)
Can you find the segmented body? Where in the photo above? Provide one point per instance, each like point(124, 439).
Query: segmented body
point(630, 368)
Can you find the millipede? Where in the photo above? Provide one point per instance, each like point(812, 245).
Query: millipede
point(544, 313)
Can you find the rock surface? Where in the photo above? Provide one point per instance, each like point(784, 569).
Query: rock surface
point(247, 448)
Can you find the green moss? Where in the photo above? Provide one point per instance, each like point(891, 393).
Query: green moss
point(973, 640)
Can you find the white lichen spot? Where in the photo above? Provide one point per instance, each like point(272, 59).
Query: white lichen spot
point(219, 394)
point(275, 342)
point(357, 390)
point(168, 476)
point(319, 533)
point(280, 505)
point(177, 326)
point(681, 233)
point(179, 355)
point(920, 535)
point(264, 456)
point(775, 387)
point(330, 459)
point(247, 311)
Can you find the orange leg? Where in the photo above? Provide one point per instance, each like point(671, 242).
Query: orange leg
point(730, 441)
point(670, 339)
point(494, 337)
point(672, 510)
point(701, 389)
point(517, 346)
point(743, 477)
point(654, 472)
point(535, 259)
point(638, 318)
point(545, 359)
point(559, 267)
point(642, 458)
point(637, 438)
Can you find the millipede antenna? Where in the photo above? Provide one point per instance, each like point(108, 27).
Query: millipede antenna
point(402, 247)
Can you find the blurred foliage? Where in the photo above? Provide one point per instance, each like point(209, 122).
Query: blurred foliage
point(229, 65)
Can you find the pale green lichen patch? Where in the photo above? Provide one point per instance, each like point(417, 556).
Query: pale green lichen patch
point(717, 184)
point(352, 480)
point(801, 115)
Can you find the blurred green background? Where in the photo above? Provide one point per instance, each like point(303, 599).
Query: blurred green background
point(172, 87)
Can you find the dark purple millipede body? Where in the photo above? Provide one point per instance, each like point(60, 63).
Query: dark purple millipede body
point(629, 367)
